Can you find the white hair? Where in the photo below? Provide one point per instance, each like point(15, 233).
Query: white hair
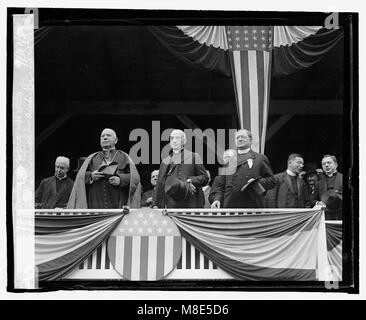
point(182, 133)
point(64, 160)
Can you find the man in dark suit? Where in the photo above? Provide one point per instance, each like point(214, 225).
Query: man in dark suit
point(253, 170)
point(218, 184)
point(54, 192)
point(330, 179)
point(290, 190)
point(147, 196)
point(188, 168)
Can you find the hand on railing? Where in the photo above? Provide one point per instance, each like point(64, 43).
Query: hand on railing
point(320, 204)
point(216, 204)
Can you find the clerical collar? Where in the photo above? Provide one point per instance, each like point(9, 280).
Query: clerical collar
point(177, 151)
point(61, 178)
point(331, 174)
point(290, 173)
point(243, 151)
point(109, 149)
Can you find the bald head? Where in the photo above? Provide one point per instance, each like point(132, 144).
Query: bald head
point(108, 139)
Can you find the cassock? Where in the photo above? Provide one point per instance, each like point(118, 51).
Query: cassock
point(53, 193)
point(100, 194)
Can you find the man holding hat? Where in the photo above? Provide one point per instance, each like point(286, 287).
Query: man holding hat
point(328, 191)
point(108, 179)
point(290, 191)
point(246, 187)
point(181, 177)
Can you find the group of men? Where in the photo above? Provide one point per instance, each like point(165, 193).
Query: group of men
point(109, 179)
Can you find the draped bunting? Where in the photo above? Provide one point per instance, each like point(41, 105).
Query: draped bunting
point(63, 242)
point(280, 245)
point(252, 50)
point(275, 246)
point(292, 58)
point(196, 54)
point(334, 247)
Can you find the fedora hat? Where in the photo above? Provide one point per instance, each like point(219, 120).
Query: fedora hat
point(332, 199)
point(176, 188)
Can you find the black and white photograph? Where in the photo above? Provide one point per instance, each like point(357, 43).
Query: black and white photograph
point(181, 150)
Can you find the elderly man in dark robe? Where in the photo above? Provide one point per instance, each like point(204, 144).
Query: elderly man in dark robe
point(108, 179)
point(184, 168)
point(54, 192)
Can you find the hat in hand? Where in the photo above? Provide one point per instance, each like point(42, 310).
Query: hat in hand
point(176, 189)
point(254, 187)
point(332, 200)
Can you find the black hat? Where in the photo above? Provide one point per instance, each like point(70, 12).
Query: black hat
point(176, 188)
point(254, 187)
point(332, 199)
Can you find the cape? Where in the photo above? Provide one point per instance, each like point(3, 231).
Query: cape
point(78, 199)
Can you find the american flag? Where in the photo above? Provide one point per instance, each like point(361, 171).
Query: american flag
point(145, 246)
point(250, 53)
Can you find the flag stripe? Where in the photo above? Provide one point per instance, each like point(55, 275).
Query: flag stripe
point(206, 263)
point(168, 261)
point(160, 257)
point(90, 261)
point(243, 69)
point(197, 259)
point(153, 243)
point(261, 84)
point(188, 255)
point(177, 248)
point(144, 257)
point(103, 256)
point(238, 81)
point(253, 91)
point(136, 249)
point(127, 253)
point(120, 252)
point(183, 256)
point(267, 82)
point(99, 257)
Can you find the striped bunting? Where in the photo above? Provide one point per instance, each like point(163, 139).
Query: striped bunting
point(145, 246)
point(250, 53)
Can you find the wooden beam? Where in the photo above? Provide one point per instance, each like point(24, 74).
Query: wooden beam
point(136, 107)
point(52, 128)
point(277, 125)
point(302, 107)
point(173, 107)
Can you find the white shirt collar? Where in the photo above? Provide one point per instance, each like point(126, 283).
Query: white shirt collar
point(177, 151)
point(290, 173)
point(243, 151)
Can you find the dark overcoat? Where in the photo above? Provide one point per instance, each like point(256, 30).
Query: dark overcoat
point(190, 167)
